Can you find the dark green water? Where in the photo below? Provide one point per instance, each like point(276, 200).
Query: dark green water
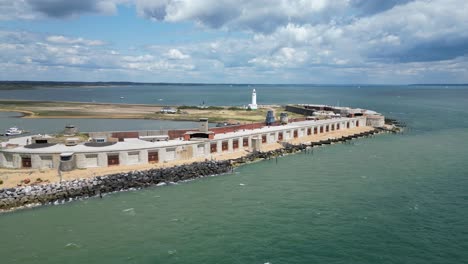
point(386, 199)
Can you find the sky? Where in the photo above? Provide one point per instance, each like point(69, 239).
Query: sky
point(243, 41)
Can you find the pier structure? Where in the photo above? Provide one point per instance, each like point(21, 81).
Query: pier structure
point(129, 148)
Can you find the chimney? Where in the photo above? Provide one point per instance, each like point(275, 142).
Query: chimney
point(203, 125)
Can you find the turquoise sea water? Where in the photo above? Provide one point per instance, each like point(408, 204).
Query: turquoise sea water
point(387, 199)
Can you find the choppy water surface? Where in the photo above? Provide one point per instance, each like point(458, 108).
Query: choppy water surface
point(387, 199)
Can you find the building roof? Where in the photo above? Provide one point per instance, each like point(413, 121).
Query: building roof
point(128, 144)
point(266, 129)
point(137, 144)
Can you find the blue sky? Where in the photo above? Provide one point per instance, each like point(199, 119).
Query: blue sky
point(226, 41)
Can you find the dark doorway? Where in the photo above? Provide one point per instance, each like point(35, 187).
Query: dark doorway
point(112, 160)
point(26, 162)
point(224, 146)
point(153, 157)
point(213, 148)
point(235, 144)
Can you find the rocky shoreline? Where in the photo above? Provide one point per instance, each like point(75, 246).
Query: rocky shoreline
point(29, 196)
point(82, 188)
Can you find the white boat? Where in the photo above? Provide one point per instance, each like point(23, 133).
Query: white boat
point(13, 131)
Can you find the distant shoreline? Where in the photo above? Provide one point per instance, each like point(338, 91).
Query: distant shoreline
point(25, 85)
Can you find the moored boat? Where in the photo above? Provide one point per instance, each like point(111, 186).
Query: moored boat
point(14, 131)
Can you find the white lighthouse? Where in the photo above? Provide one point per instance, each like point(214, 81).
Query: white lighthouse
point(253, 105)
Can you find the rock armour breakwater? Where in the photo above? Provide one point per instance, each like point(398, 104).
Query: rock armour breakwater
point(291, 148)
point(65, 191)
point(69, 190)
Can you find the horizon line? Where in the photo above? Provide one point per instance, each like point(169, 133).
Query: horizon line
point(220, 83)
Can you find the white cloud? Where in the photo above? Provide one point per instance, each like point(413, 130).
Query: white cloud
point(176, 54)
point(141, 58)
point(70, 54)
point(261, 15)
point(58, 39)
point(300, 40)
point(286, 57)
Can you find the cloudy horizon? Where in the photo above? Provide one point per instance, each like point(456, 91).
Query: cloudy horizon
point(224, 41)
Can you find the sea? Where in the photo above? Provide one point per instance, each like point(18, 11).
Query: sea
point(390, 198)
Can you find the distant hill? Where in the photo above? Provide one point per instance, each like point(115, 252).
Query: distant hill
point(19, 85)
point(439, 84)
point(16, 85)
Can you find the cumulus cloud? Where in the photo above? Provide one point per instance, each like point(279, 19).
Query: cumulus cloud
point(398, 30)
point(308, 40)
point(417, 31)
point(366, 7)
point(34, 9)
point(49, 53)
point(261, 15)
point(15, 10)
point(65, 8)
point(176, 54)
point(284, 57)
point(408, 32)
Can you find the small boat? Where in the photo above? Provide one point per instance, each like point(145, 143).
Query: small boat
point(13, 131)
point(121, 97)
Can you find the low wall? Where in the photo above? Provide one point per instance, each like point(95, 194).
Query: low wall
point(300, 110)
point(375, 121)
